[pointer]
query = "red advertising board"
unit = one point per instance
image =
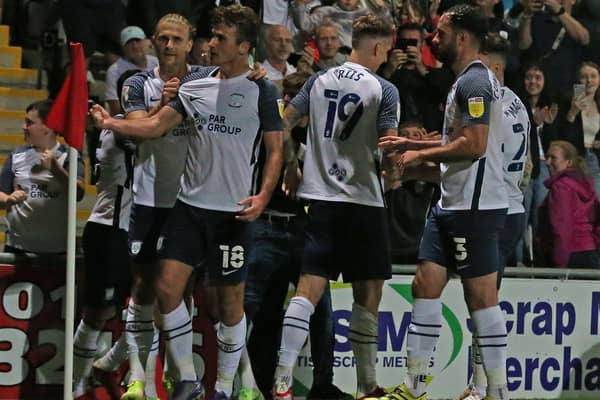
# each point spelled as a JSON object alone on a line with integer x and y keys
{"x": 32, "y": 324}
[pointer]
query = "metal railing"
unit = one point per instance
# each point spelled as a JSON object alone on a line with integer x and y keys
{"x": 397, "y": 269}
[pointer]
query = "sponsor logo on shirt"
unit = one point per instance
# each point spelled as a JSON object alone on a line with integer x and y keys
{"x": 476, "y": 107}
{"x": 337, "y": 172}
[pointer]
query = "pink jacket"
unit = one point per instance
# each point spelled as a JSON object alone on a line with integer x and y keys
{"x": 569, "y": 216}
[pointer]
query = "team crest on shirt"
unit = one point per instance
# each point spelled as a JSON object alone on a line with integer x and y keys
{"x": 235, "y": 100}
{"x": 476, "y": 107}
{"x": 280, "y": 107}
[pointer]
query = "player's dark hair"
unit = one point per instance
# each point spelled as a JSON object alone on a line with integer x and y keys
{"x": 42, "y": 107}
{"x": 495, "y": 44}
{"x": 370, "y": 26}
{"x": 469, "y": 18}
{"x": 241, "y": 17}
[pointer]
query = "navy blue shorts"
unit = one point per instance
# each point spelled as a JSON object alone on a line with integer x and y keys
{"x": 514, "y": 226}
{"x": 211, "y": 239}
{"x": 466, "y": 242}
{"x": 145, "y": 232}
{"x": 107, "y": 265}
{"x": 346, "y": 238}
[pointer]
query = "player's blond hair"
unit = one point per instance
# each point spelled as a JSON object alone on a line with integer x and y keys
{"x": 176, "y": 19}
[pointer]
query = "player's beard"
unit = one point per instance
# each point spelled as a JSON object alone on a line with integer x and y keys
{"x": 447, "y": 55}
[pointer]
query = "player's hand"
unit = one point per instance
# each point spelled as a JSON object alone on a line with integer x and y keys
{"x": 258, "y": 72}
{"x": 16, "y": 197}
{"x": 170, "y": 90}
{"x": 100, "y": 116}
{"x": 48, "y": 160}
{"x": 291, "y": 180}
{"x": 390, "y": 172}
{"x": 433, "y": 135}
{"x": 255, "y": 206}
{"x": 408, "y": 159}
{"x": 394, "y": 143}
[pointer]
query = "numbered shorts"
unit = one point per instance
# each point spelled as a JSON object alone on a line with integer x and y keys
{"x": 466, "y": 242}
{"x": 145, "y": 233}
{"x": 212, "y": 239}
{"x": 107, "y": 270}
{"x": 347, "y": 238}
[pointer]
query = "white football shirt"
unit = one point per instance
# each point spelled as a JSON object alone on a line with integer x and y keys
{"x": 349, "y": 106}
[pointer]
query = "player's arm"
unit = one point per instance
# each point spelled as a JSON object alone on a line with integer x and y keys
{"x": 273, "y": 162}
{"x": 8, "y": 196}
{"x": 145, "y": 128}
{"x": 291, "y": 118}
{"x": 469, "y": 145}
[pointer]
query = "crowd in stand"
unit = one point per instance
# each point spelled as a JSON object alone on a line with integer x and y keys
{"x": 552, "y": 64}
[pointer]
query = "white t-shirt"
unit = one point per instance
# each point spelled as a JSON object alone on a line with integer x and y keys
{"x": 349, "y": 106}
{"x": 116, "y": 70}
{"x": 229, "y": 117}
{"x": 38, "y": 224}
{"x": 516, "y": 127}
{"x": 114, "y": 174}
{"x": 474, "y": 184}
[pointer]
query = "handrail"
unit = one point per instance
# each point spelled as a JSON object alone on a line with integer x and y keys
{"x": 524, "y": 272}
{"x": 398, "y": 269}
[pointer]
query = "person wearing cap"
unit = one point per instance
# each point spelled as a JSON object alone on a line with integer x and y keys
{"x": 134, "y": 57}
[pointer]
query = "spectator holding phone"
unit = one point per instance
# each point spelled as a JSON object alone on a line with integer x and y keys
{"x": 422, "y": 89}
{"x": 582, "y": 120}
{"x": 549, "y": 31}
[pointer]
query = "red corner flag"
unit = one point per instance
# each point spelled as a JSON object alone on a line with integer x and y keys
{"x": 68, "y": 113}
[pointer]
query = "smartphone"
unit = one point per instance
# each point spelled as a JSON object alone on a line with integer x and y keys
{"x": 403, "y": 43}
{"x": 578, "y": 89}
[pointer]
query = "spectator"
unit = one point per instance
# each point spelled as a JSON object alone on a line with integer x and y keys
{"x": 422, "y": 89}
{"x": 200, "y": 54}
{"x": 542, "y": 112}
{"x": 570, "y": 216}
{"x": 492, "y": 9}
{"x": 133, "y": 45}
{"x": 582, "y": 121}
{"x": 327, "y": 41}
{"x": 279, "y": 47}
{"x": 408, "y": 203}
{"x": 548, "y": 31}
{"x": 33, "y": 188}
{"x": 589, "y": 10}
{"x": 342, "y": 13}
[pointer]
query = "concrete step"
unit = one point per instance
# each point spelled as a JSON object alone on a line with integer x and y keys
{"x": 4, "y": 35}
{"x": 18, "y": 99}
{"x": 11, "y": 120}
{"x": 10, "y": 56}
{"x": 18, "y": 77}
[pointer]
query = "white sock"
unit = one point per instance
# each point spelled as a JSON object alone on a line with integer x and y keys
{"x": 139, "y": 331}
{"x": 363, "y": 338}
{"x": 85, "y": 346}
{"x": 423, "y": 335}
{"x": 492, "y": 339}
{"x": 177, "y": 329}
{"x": 295, "y": 331}
{"x": 231, "y": 341}
{"x": 479, "y": 378}
{"x": 113, "y": 357}
{"x": 245, "y": 370}
{"x": 150, "y": 371}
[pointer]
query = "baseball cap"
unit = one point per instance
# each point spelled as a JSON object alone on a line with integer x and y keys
{"x": 131, "y": 32}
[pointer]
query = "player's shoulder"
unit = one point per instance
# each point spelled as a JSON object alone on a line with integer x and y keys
{"x": 197, "y": 72}
{"x": 139, "y": 79}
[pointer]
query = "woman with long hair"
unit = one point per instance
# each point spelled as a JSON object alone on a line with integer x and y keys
{"x": 582, "y": 120}
{"x": 569, "y": 217}
{"x": 542, "y": 111}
